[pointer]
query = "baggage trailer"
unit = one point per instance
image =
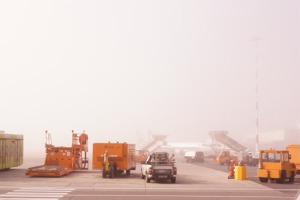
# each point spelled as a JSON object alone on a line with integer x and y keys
{"x": 11, "y": 150}
{"x": 114, "y": 158}
{"x": 63, "y": 160}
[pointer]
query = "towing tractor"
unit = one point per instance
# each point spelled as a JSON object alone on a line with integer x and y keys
{"x": 276, "y": 166}
{"x": 114, "y": 158}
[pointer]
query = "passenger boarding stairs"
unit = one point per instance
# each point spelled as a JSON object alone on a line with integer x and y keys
{"x": 222, "y": 138}
{"x": 155, "y": 142}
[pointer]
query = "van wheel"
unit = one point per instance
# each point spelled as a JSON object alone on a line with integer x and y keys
{"x": 292, "y": 178}
{"x": 282, "y": 177}
{"x": 263, "y": 180}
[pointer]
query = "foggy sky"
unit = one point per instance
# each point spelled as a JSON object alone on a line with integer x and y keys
{"x": 122, "y": 69}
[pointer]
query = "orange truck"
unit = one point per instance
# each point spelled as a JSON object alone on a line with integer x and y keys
{"x": 141, "y": 156}
{"x": 224, "y": 157}
{"x": 114, "y": 158}
{"x": 294, "y": 151}
{"x": 61, "y": 161}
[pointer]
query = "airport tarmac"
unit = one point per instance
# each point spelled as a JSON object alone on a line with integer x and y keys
{"x": 194, "y": 181}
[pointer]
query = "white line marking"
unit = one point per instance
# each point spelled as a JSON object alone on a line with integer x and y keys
{"x": 198, "y": 189}
{"x": 48, "y": 188}
{"x": 36, "y": 193}
{"x": 30, "y": 198}
{"x": 39, "y": 193}
{"x": 185, "y": 196}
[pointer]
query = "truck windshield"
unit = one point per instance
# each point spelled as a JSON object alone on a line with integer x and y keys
{"x": 270, "y": 157}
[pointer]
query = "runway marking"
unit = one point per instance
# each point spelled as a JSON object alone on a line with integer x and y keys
{"x": 186, "y": 196}
{"x": 27, "y": 198}
{"x": 36, "y": 193}
{"x": 198, "y": 189}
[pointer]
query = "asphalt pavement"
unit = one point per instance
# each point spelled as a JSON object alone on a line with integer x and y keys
{"x": 194, "y": 181}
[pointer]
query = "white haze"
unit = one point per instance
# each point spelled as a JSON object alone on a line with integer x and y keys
{"x": 122, "y": 69}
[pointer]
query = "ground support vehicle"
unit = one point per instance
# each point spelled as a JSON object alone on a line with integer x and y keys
{"x": 225, "y": 157}
{"x": 276, "y": 166}
{"x": 194, "y": 156}
{"x": 114, "y": 158}
{"x": 11, "y": 150}
{"x": 141, "y": 156}
{"x": 232, "y": 150}
{"x": 63, "y": 160}
{"x": 159, "y": 166}
{"x": 294, "y": 151}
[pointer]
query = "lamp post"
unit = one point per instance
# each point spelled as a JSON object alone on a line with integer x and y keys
{"x": 256, "y": 39}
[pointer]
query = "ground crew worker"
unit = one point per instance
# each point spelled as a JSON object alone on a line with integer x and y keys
{"x": 231, "y": 167}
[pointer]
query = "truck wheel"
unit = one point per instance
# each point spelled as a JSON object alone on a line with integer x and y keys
{"x": 292, "y": 178}
{"x": 282, "y": 177}
{"x": 127, "y": 172}
{"x": 173, "y": 180}
{"x": 147, "y": 179}
{"x": 103, "y": 172}
{"x": 111, "y": 172}
{"x": 263, "y": 180}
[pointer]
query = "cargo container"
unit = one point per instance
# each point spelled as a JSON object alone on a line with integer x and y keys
{"x": 11, "y": 150}
{"x": 114, "y": 158}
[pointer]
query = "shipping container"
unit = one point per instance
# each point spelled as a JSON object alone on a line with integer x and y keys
{"x": 11, "y": 150}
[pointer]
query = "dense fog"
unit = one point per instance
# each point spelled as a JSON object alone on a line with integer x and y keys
{"x": 123, "y": 70}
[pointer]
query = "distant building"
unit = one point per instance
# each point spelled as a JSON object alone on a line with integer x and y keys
{"x": 277, "y": 139}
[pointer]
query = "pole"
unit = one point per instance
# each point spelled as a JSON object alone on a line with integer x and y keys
{"x": 256, "y": 39}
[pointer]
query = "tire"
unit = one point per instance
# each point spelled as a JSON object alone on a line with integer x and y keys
{"x": 147, "y": 179}
{"x": 173, "y": 180}
{"x": 143, "y": 176}
{"x": 111, "y": 172}
{"x": 103, "y": 173}
{"x": 292, "y": 178}
{"x": 263, "y": 180}
{"x": 282, "y": 177}
{"x": 127, "y": 172}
